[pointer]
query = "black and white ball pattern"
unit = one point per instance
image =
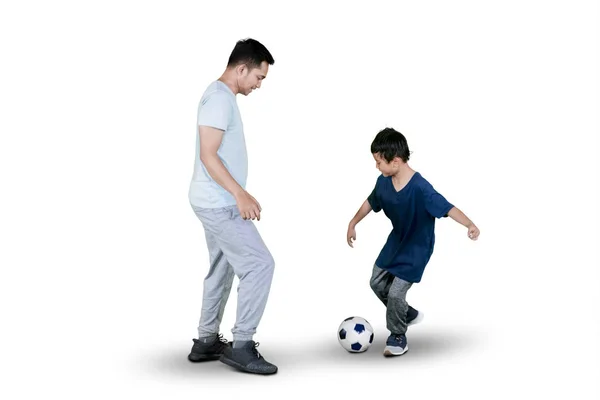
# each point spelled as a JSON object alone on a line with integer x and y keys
{"x": 355, "y": 334}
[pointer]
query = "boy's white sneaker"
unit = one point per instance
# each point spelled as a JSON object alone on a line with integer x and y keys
{"x": 416, "y": 319}
{"x": 396, "y": 345}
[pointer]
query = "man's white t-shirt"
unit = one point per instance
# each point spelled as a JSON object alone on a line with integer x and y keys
{"x": 218, "y": 109}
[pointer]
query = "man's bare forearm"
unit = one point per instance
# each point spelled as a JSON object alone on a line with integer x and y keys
{"x": 219, "y": 173}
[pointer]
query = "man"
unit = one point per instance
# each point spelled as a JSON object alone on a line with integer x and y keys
{"x": 219, "y": 199}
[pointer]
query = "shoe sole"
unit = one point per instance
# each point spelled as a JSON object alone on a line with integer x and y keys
{"x": 394, "y": 351}
{"x": 240, "y": 367}
{"x": 203, "y": 357}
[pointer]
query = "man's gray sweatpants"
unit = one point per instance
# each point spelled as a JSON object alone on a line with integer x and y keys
{"x": 391, "y": 290}
{"x": 234, "y": 247}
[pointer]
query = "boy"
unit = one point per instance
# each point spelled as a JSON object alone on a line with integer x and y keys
{"x": 412, "y": 204}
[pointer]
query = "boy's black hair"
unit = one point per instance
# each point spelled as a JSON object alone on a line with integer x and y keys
{"x": 390, "y": 143}
{"x": 250, "y": 52}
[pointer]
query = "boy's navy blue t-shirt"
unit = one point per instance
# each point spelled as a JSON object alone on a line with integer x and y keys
{"x": 412, "y": 211}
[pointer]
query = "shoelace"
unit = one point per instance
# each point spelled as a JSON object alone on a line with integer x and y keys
{"x": 256, "y": 344}
{"x": 221, "y": 338}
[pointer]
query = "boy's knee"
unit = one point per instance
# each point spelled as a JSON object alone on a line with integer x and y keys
{"x": 374, "y": 286}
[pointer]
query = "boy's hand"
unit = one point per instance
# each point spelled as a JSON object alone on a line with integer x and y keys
{"x": 473, "y": 232}
{"x": 351, "y": 235}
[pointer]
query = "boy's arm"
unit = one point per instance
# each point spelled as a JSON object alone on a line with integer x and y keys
{"x": 361, "y": 213}
{"x": 462, "y": 219}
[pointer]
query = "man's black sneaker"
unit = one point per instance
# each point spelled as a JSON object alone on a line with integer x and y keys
{"x": 208, "y": 351}
{"x": 247, "y": 359}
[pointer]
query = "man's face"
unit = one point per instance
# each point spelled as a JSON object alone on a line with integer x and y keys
{"x": 251, "y": 79}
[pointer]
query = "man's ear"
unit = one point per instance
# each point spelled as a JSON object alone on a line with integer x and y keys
{"x": 242, "y": 69}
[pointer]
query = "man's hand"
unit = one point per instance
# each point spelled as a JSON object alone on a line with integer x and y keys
{"x": 473, "y": 232}
{"x": 248, "y": 206}
{"x": 351, "y": 235}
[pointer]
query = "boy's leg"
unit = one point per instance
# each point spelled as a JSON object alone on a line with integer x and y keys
{"x": 397, "y": 306}
{"x": 380, "y": 282}
{"x": 396, "y": 318}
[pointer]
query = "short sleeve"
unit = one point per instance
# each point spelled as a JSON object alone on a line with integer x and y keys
{"x": 215, "y": 111}
{"x": 435, "y": 203}
{"x": 373, "y": 199}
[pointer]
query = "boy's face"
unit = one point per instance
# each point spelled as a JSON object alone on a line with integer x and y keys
{"x": 386, "y": 168}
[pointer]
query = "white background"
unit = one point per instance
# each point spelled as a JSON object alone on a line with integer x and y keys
{"x": 103, "y": 259}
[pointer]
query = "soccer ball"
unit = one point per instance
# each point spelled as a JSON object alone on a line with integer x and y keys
{"x": 355, "y": 334}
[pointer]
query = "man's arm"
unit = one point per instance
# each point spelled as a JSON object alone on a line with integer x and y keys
{"x": 210, "y": 140}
